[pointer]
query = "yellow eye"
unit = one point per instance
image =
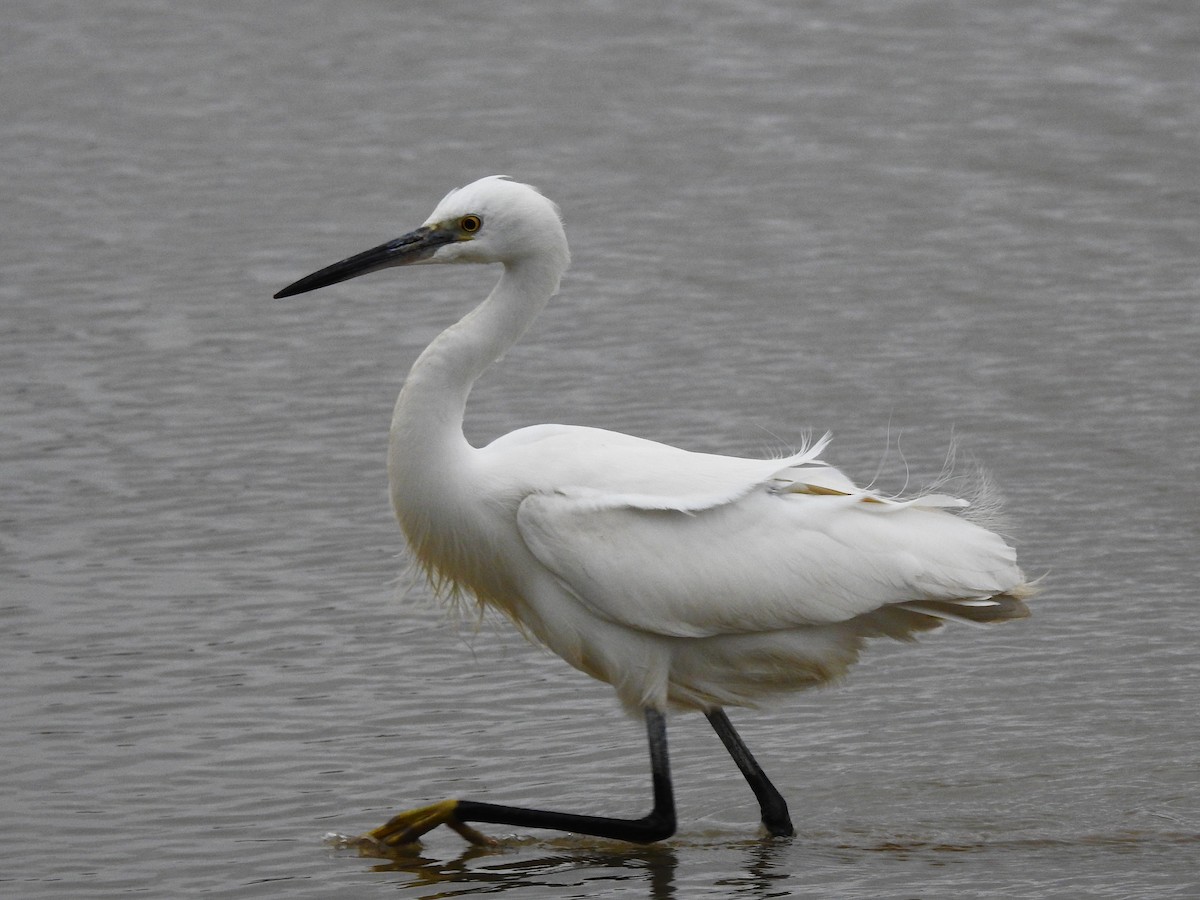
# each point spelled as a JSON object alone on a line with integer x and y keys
{"x": 470, "y": 224}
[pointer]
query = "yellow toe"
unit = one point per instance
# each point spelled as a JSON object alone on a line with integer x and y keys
{"x": 408, "y": 826}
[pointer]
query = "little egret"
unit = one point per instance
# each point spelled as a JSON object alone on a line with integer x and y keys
{"x": 687, "y": 581}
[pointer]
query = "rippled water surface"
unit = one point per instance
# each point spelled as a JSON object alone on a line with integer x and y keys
{"x": 911, "y": 223}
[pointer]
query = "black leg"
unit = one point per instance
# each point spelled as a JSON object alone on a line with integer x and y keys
{"x": 774, "y": 808}
{"x": 658, "y": 825}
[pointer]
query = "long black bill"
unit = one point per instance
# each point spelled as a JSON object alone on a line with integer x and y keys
{"x": 411, "y": 248}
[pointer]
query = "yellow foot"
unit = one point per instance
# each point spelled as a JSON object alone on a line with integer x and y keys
{"x": 407, "y": 828}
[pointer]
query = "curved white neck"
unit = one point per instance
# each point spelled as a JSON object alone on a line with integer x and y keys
{"x": 426, "y": 432}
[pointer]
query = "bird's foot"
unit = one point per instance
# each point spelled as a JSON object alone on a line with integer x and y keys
{"x": 778, "y": 827}
{"x": 407, "y": 827}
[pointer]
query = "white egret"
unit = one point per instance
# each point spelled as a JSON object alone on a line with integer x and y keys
{"x": 687, "y": 581}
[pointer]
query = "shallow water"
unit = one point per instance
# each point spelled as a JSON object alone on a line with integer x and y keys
{"x": 910, "y": 223}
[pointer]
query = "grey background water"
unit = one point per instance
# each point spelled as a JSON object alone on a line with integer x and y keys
{"x": 907, "y": 222}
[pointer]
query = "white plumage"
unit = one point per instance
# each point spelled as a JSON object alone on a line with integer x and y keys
{"x": 682, "y": 579}
{"x": 618, "y": 553}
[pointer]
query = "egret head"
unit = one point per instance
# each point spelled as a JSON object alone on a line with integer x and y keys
{"x": 492, "y": 220}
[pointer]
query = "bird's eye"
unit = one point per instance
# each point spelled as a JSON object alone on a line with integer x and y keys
{"x": 470, "y": 224}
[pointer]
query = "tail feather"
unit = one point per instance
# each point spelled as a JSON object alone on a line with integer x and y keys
{"x": 903, "y": 621}
{"x": 976, "y": 611}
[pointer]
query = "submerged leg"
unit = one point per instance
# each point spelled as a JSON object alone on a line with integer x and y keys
{"x": 774, "y": 808}
{"x": 658, "y": 825}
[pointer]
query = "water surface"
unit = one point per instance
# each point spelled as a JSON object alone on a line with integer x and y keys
{"x": 910, "y": 223}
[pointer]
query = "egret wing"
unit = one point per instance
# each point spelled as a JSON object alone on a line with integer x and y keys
{"x": 607, "y": 469}
{"x": 794, "y": 550}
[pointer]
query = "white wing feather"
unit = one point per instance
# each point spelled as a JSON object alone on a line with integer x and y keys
{"x": 609, "y": 470}
{"x": 692, "y": 545}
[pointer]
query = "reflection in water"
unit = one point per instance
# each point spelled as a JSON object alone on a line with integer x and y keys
{"x": 528, "y": 864}
{"x": 765, "y": 869}
{"x": 525, "y": 864}
{"x": 655, "y": 864}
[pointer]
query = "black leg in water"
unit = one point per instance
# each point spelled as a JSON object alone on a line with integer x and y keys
{"x": 658, "y": 825}
{"x": 774, "y": 808}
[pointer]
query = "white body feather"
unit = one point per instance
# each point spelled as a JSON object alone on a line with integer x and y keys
{"x": 680, "y": 578}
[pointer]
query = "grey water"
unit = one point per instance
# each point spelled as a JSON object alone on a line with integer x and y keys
{"x": 916, "y": 224}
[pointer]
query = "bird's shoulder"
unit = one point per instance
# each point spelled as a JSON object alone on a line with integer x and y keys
{"x": 609, "y": 468}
